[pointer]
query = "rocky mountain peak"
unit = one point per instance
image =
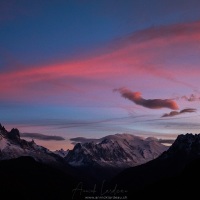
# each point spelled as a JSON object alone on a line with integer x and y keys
{"x": 14, "y": 134}
{"x": 12, "y": 146}
{"x": 2, "y": 128}
{"x": 185, "y": 146}
{"x": 120, "y": 151}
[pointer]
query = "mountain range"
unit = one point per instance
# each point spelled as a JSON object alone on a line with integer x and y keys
{"x": 99, "y": 159}
{"x": 141, "y": 166}
{"x": 115, "y": 151}
{"x": 12, "y": 146}
{"x": 174, "y": 169}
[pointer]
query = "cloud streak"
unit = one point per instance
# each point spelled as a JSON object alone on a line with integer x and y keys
{"x": 148, "y": 103}
{"x": 166, "y": 141}
{"x": 84, "y": 140}
{"x": 191, "y": 98}
{"x": 174, "y": 113}
{"x": 143, "y": 53}
{"x": 40, "y": 136}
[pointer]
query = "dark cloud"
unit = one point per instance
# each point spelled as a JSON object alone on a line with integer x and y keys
{"x": 168, "y": 141}
{"x": 40, "y": 136}
{"x": 83, "y": 140}
{"x": 174, "y": 113}
{"x": 148, "y": 103}
{"x": 190, "y": 98}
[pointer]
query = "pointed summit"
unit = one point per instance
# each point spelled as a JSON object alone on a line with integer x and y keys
{"x": 2, "y": 128}
{"x": 14, "y": 134}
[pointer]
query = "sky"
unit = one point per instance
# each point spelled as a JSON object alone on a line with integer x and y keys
{"x": 91, "y": 68}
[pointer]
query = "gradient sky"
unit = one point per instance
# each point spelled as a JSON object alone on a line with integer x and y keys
{"x": 88, "y": 68}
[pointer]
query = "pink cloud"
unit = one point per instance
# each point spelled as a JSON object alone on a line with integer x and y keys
{"x": 148, "y": 103}
{"x": 144, "y": 54}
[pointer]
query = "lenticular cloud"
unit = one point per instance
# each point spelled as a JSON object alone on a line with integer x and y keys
{"x": 136, "y": 97}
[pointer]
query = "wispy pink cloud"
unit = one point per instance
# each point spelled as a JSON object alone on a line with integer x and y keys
{"x": 143, "y": 54}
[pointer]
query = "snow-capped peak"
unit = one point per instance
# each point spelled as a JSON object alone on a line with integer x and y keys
{"x": 12, "y": 146}
{"x": 119, "y": 150}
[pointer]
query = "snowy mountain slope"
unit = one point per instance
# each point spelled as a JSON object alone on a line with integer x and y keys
{"x": 119, "y": 151}
{"x": 12, "y": 146}
{"x": 62, "y": 152}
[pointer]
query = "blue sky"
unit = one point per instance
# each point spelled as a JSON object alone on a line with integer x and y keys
{"x": 60, "y": 61}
